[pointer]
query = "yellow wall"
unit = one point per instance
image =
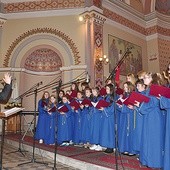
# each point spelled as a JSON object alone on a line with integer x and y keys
{"x": 69, "y": 25}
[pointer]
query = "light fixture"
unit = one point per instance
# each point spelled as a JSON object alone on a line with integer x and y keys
{"x": 100, "y": 61}
{"x": 81, "y": 18}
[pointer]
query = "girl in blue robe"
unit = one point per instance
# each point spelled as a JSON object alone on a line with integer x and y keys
{"x": 126, "y": 124}
{"x": 42, "y": 117}
{"x": 107, "y": 134}
{"x": 151, "y": 152}
{"x": 51, "y": 122}
{"x": 96, "y": 122}
{"x": 165, "y": 104}
{"x": 64, "y": 123}
{"x": 77, "y": 114}
{"x": 86, "y": 119}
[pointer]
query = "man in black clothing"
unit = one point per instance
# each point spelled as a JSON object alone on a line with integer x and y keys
{"x": 7, "y": 90}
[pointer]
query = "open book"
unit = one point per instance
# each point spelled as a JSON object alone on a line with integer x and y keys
{"x": 9, "y": 112}
{"x": 100, "y": 103}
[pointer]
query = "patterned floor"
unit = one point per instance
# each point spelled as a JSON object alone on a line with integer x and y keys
{"x": 12, "y": 158}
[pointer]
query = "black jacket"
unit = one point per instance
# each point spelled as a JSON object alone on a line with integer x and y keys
{"x": 6, "y": 93}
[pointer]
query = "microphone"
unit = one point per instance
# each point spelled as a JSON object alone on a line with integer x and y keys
{"x": 87, "y": 78}
{"x": 130, "y": 47}
{"x": 40, "y": 83}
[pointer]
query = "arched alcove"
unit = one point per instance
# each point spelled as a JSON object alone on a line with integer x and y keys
{"x": 43, "y": 60}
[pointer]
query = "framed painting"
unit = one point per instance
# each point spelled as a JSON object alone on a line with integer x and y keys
{"x": 116, "y": 50}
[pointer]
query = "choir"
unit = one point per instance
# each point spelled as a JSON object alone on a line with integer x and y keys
{"x": 111, "y": 117}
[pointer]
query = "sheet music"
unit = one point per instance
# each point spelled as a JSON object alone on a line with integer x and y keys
{"x": 10, "y": 112}
{"x": 94, "y": 103}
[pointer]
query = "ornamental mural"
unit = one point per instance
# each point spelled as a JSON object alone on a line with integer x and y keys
{"x": 43, "y": 60}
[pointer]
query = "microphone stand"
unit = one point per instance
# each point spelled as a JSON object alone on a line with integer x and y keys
{"x": 55, "y": 149}
{"x": 33, "y": 160}
{"x": 20, "y": 114}
{"x": 112, "y": 77}
{"x": 57, "y": 92}
{"x": 43, "y": 88}
{"x": 112, "y": 74}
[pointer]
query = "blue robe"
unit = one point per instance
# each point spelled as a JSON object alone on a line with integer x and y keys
{"x": 50, "y": 130}
{"x": 151, "y": 152}
{"x": 64, "y": 126}
{"x": 77, "y": 126}
{"x": 85, "y": 128}
{"x": 165, "y": 104}
{"x": 126, "y": 131}
{"x": 107, "y": 134}
{"x": 138, "y": 129}
{"x": 95, "y": 125}
{"x": 42, "y": 117}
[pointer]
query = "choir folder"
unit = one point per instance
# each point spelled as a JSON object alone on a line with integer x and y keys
{"x": 135, "y": 96}
{"x": 86, "y": 102}
{"x": 63, "y": 108}
{"x": 155, "y": 90}
{"x": 75, "y": 104}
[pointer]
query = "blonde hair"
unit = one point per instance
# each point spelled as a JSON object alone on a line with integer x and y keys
{"x": 141, "y": 74}
{"x": 132, "y": 77}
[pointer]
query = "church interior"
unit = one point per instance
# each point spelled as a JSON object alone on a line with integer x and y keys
{"x": 48, "y": 44}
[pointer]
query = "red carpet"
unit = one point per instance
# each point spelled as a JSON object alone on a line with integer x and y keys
{"x": 86, "y": 155}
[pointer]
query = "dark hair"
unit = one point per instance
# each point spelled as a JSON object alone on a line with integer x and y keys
{"x": 139, "y": 81}
{"x": 43, "y": 97}
{"x": 76, "y": 86}
{"x": 85, "y": 84}
{"x": 111, "y": 88}
{"x": 131, "y": 87}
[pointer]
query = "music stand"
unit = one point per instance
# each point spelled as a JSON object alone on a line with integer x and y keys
{"x": 4, "y": 116}
{"x": 19, "y": 147}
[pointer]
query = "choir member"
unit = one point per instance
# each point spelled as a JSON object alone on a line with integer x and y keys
{"x": 165, "y": 104}
{"x": 96, "y": 121}
{"x": 60, "y": 96}
{"x": 140, "y": 86}
{"x": 84, "y": 85}
{"x": 74, "y": 89}
{"x": 107, "y": 134}
{"x": 86, "y": 117}
{"x": 42, "y": 117}
{"x": 126, "y": 123}
{"x": 77, "y": 115}
{"x": 50, "y": 128}
{"x": 64, "y": 122}
{"x": 151, "y": 151}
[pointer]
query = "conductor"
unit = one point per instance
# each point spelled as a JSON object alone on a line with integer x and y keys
{"x": 7, "y": 89}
